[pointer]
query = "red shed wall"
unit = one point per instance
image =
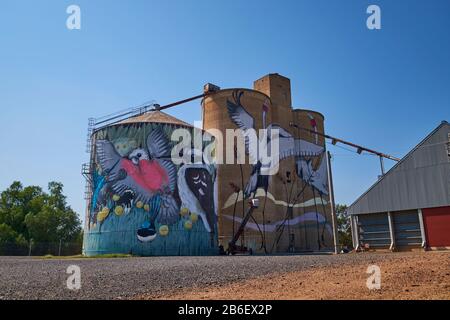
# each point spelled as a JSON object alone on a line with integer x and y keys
{"x": 437, "y": 226}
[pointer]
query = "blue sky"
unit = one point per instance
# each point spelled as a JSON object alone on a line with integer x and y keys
{"x": 385, "y": 89}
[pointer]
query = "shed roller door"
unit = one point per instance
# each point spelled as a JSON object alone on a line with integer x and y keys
{"x": 374, "y": 230}
{"x": 407, "y": 229}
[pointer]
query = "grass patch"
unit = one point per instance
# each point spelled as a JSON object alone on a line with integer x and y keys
{"x": 80, "y": 256}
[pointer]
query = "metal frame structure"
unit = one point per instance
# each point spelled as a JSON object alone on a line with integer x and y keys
{"x": 359, "y": 149}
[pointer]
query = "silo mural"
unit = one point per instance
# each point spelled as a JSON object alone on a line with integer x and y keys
{"x": 141, "y": 202}
{"x": 294, "y": 214}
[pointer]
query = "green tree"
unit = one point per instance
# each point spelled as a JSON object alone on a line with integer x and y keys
{"x": 7, "y": 234}
{"x": 53, "y": 224}
{"x": 344, "y": 228}
{"x": 16, "y": 202}
{"x": 55, "y": 221}
{"x": 30, "y": 213}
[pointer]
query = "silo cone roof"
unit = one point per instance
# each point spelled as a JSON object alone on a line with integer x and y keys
{"x": 155, "y": 117}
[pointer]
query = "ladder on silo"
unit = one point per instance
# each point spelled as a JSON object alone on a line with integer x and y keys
{"x": 86, "y": 172}
{"x": 90, "y": 131}
{"x": 86, "y": 167}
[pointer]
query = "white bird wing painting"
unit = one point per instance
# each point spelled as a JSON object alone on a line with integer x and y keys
{"x": 245, "y": 122}
{"x": 288, "y": 145}
{"x": 318, "y": 179}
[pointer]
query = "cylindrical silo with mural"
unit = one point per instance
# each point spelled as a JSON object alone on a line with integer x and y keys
{"x": 294, "y": 213}
{"x": 311, "y": 171}
{"x": 141, "y": 202}
{"x": 233, "y": 178}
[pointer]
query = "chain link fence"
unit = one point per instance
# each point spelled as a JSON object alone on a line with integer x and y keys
{"x": 40, "y": 249}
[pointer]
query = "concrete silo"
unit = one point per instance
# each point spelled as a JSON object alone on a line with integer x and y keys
{"x": 294, "y": 213}
{"x": 141, "y": 202}
{"x": 316, "y": 233}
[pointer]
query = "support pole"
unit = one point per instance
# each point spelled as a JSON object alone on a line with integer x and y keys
{"x": 332, "y": 204}
{"x": 352, "y": 231}
{"x": 382, "y": 166}
{"x": 391, "y": 231}
{"x": 355, "y": 232}
{"x": 422, "y": 229}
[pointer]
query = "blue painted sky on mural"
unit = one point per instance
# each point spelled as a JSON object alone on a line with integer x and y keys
{"x": 384, "y": 89}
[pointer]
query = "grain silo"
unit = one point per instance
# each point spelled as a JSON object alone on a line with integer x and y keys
{"x": 140, "y": 202}
{"x": 294, "y": 213}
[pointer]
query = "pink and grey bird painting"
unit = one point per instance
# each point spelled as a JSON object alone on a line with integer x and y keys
{"x": 146, "y": 171}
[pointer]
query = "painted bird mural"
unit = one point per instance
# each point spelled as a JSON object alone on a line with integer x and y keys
{"x": 147, "y": 172}
{"x": 196, "y": 189}
{"x": 318, "y": 179}
{"x": 288, "y": 145}
{"x": 313, "y": 123}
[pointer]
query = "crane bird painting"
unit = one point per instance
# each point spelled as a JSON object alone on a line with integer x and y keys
{"x": 288, "y": 144}
{"x": 318, "y": 179}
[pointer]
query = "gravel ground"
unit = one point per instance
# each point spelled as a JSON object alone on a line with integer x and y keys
{"x": 419, "y": 276}
{"x": 126, "y": 278}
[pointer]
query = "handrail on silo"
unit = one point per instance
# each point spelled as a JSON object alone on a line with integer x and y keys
{"x": 129, "y": 113}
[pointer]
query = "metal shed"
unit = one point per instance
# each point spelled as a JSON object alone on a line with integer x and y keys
{"x": 410, "y": 205}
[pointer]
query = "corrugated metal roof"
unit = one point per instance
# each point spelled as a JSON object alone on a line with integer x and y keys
{"x": 156, "y": 117}
{"x": 420, "y": 180}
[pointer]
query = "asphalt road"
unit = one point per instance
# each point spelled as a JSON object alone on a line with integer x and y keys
{"x": 125, "y": 278}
